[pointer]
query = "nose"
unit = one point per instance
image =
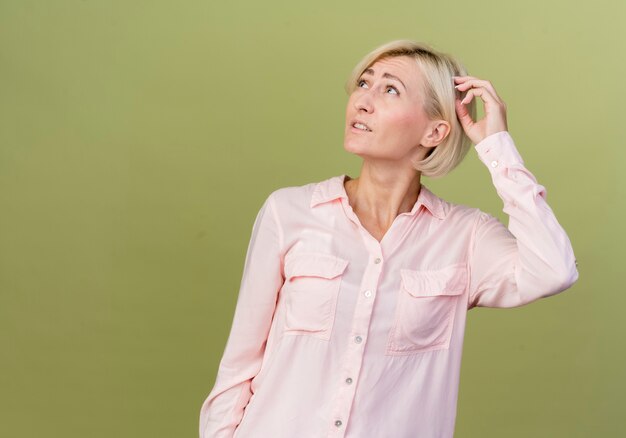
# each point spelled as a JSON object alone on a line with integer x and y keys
{"x": 363, "y": 101}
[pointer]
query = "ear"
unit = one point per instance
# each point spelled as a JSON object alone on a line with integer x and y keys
{"x": 436, "y": 132}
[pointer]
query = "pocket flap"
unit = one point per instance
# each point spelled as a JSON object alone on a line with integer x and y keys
{"x": 450, "y": 280}
{"x": 314, "y": 264}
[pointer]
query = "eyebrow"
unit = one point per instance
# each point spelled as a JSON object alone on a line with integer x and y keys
{"x": 385, "y": 75}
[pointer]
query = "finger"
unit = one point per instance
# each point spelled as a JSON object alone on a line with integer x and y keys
{"x": 474, "y": 82}
{"x": 488, "y": 98}
{"x": 462, "y": 79}
{"x": 464, "y": 116}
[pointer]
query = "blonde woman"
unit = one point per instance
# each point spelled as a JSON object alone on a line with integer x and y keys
{"x": 352, "y": 307}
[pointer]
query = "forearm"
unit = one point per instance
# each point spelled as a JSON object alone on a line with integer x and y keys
{"x": 245, "y": 348}
{"x": 535, "y": 251}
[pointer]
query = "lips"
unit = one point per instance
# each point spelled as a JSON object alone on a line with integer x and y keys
{"x": 360, "y": 125}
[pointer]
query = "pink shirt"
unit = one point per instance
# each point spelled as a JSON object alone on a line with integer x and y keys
{"x": 338, "y": 335}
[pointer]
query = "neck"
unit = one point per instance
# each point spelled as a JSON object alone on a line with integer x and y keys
{"x": 382, "y": 199}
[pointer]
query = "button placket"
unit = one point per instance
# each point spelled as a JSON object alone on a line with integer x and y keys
{"x": 353, "y": 358}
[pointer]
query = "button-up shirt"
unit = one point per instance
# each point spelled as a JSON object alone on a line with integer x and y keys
{"x": 337, "y": 334}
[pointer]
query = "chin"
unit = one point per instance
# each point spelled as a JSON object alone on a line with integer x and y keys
{"x": 350, "y": 146}
{"x": 353, "y": 148}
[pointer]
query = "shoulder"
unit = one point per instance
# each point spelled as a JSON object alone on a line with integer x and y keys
{"x": 291, "y": 197}
{"x": 293, "y": 193}
{"x": 461, "y": 214}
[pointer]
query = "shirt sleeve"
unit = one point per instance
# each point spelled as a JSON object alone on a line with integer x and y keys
{"x": 532, "y": 258}
{"x": 262, "y": 279}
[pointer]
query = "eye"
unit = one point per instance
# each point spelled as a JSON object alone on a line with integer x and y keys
{"x": 393, "y": 88}
{"x": 358, "y": 82}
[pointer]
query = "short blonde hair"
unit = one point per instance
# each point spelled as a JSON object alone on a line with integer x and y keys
{"x": 438, "y": 69}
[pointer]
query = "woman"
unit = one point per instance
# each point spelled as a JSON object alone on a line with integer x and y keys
{"x": 351, "y": 312}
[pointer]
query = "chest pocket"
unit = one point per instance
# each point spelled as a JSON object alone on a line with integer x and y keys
{"x": 427, "y": 303}
{"x": 311, "y": 288}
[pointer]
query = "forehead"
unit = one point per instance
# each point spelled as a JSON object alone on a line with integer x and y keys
{"x": 402, "y": 66}
{"x": 405, "y": 68}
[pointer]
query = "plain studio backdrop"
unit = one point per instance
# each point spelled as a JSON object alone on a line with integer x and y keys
{"x": 138, "y": 140}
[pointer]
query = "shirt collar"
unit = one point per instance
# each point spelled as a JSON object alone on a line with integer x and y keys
{"x": 333, "y": 188}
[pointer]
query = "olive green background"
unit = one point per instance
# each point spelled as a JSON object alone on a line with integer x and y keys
{"x": 138, "y": 140}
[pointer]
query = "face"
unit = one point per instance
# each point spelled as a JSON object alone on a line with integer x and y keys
{"x": 388, "y": 100}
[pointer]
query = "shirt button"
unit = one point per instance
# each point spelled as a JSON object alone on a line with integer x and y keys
{"x": 368, "y": 293}
{"x": 338, "y": 423}
{"x": 358, "y": 339}
{"x": 377, "y": 260}
{"x": 494, "y": 163}
{"x": 349, "y": 380}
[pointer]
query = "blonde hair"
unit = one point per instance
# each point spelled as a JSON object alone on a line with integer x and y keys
{"x": 438, "y": 69}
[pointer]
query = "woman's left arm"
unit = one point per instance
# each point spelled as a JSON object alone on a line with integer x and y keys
{"x": 532, "y": 258}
